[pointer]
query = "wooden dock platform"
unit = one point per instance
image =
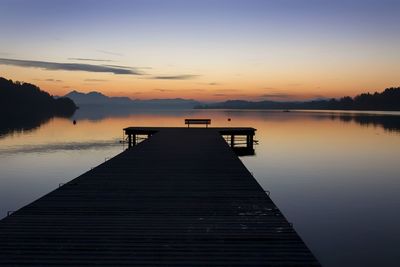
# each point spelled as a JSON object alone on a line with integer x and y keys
{"x": 179, "y": 198}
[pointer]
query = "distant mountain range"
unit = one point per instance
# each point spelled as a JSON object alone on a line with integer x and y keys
{"x": 99, "y": 99}
{"x": 389, "y": 99}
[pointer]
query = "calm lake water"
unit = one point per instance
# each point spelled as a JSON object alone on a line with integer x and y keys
{"x": 334, "y": 175}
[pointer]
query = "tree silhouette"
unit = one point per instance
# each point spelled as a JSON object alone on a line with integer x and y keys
{"x": 25, "y": 99}
{"x": 24, "y": 107}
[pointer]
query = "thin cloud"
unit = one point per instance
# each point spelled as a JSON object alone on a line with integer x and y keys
{"x": 67, "y": 66}
{"x": 175, "y": 77}
{"x": 163, "y": 90}
{"x": 212, "y": 83}
{"x": 128, "y": 68}
{"x": 119, "y": 66}
{"x": 90, "y": 59}
{"x": 53, "y": 80}
{"x": 227, "y": 90}
{"x": 48, "y": 80}
{"x": 95, "y": 80}
{"x": 138, "y": 93}
{"x": 110, "y": 53}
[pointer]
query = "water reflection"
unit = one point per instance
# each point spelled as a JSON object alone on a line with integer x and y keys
{"x": 387, "y": 122}
{"x": 11, "y": 125}
{"x": 96, "y": 113}
{"x": 53, "y": 147}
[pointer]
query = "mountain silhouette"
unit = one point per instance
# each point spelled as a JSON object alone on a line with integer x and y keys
{"x": 96, "y": 98}
{"x": 99, "y": 99}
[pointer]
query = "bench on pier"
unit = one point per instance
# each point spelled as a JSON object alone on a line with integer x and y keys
{"x": 198, "y": 121}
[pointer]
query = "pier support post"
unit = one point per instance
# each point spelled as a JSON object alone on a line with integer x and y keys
{"x": 129, "y": 140}
{"x": 249, "y": 140}
{"x": 134, "y": 140}
{"x": 232, "y": 140}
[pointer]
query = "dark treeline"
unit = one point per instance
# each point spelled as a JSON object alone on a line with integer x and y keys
{"x": 387, "y": 100}
{"x": 24, "y": 107}
{"x": 27, "y": 99}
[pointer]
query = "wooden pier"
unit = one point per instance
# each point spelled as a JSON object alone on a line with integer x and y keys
{"x": 137, "y": 134}
{"x": 180, "y": 198}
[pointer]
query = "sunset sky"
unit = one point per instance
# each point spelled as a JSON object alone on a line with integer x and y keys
{"x": 210, "y": 50}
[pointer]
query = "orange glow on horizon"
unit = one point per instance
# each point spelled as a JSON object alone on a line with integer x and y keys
{"x": 253, "y": 87}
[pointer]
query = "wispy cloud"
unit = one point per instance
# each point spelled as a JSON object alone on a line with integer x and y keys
{"x": 175, "y": 77}
{"x": 53, "y": 80}
{"x": 227, "y": 90}
{"x": 163, "y": 90}
{"x": 68, "y": 66}
{"x": 129, "y": 68}
{"x": 122, "y": 67}
{"x": 48, "y": 80}
{"x": 95, "y": 80}
{"x": 90, "y": 59}
{"x": 211, "y": 84}
{"x": 110, "y": 53}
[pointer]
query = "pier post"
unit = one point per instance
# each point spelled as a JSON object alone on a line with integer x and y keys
{"x": 249, "y": 140}
{"x": 232, "y": 140}
{"x": 129, "y": 140}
